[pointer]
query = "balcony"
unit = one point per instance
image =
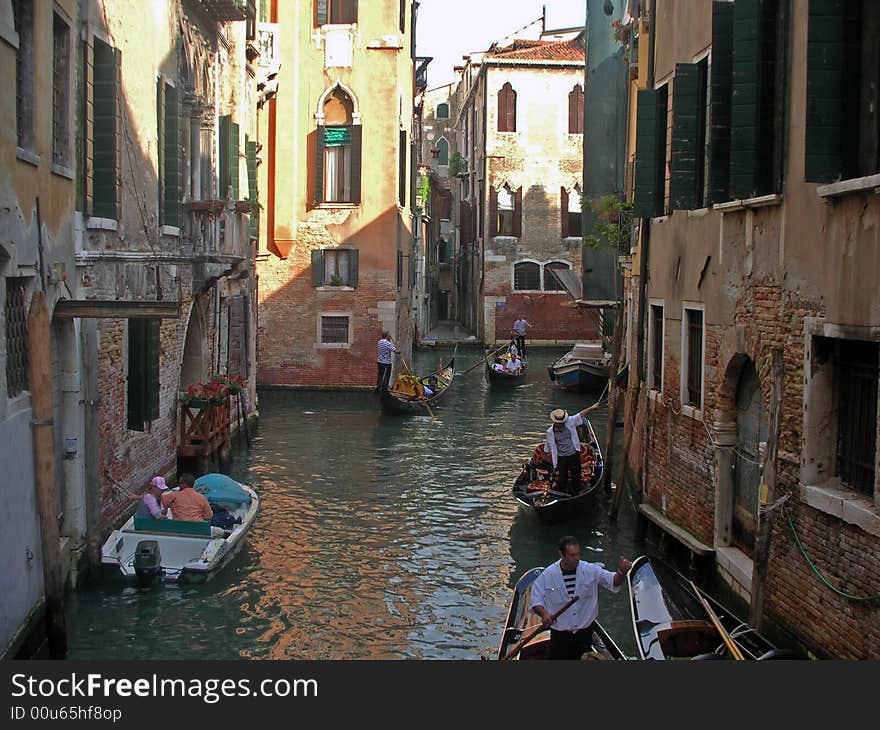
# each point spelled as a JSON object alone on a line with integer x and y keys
{"x": 422, "y": 72}
{"x": 223, "y": 10}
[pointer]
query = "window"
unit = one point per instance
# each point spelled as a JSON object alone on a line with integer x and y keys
{"x": 143, "y": 372}
{"x": 570, "y": 208}
{"x": 857, "y": 370}
{"x": 551, "y": 283}
{"x": 60, "y": 92}
{"x": 330, "y": 12}
{"x": 105, "y": 143}
{"x": 335, "y": 267}
{"x": 527, "y": 276}
{"x": 338, "y": 154}
{"x": 403, "y": 16}
{"x": 655, "y": 375}
{"x": 576, "y": 110}
{"x": 443, "y": 151}
{"x": 17, "y": 379}
{"x": 170, "y": 153}
{"x": 504, "y": 225}
{"x": 442, "y": 111}
{"x": 507, "y": 109}
{"x": 334, "y": 329}
{"x": 23, "y": 16}
{"x": 692, "y": 392}
{"x": 401, "y": 168}
{"x": 687, "y": 157}
{"x": 843, "y": 91}
{"x": 444, "y": 251}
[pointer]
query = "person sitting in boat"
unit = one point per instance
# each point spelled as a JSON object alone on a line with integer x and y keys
{"x": 499, "y": 365}
{"x": 187, "y": 504}
{"x": 513, "y": 349}
{"x": 564, "y": 446}
{"x": 514, "y": 365}
{"x": 571, "y": 633}
{"x": 148, "y": 503}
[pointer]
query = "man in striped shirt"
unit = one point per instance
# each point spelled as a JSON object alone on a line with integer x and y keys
{"x": 571, "y": 634}
{"x": 385, "y": 348}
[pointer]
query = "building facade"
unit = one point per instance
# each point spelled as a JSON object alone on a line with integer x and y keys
{"x": 338, "y": 264}
{"x": 756, "y": 163}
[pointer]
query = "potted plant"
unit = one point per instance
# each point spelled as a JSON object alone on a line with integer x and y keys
{"x": 335, "y": 280}
{"x": 203, "y": 395}
{"x": 233, "y": 383}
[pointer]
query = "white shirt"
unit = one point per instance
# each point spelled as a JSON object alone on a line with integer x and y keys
{"x": 571, "y": 423}
{"x": 548, "y": 591}
{"x": 514, "y": 364}
{"x": 520, "y": 327}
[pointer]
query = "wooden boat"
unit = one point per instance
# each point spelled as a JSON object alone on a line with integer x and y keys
{"x": 585, "y": 367}
{"x": 520, "y": 620}
{"x": 397, "y": 401}
{"x": 505, "y": 377}
{"x": 188, "y": 551}
{"x": 670, "y": 622}
{"x": 533, "y": 490}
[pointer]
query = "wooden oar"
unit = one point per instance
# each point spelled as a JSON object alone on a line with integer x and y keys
{"x": 424, "y": 402}
{"x": 515, "y": 649}
{"x": 731, "y": 645}
{"x": 480, "y": 362}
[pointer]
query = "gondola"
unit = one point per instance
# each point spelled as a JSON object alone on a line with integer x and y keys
{"x": 401, "y": 401}
{"x": 520, "y": 620}
{"x": 505, "y": 377}
{"x": 533, "y": 490}
{"x": 670, "y": 622}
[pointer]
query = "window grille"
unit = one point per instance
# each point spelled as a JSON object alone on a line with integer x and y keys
{"x": 527, "y": 276}
{"x": 16, "y": 337}
{"x": 857, "y": 373}
{"x": 334, "y": 329}
{"x": 657, "y": 347}
{"x": 695, "y": 357}
{"x": 551, "y": 283}
{"x": 23, "y": 15}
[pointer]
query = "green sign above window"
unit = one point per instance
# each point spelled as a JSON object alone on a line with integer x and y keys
{"x": 336, "y": 136}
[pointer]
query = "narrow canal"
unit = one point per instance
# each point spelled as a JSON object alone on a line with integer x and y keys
{"x": 379, "y": 537}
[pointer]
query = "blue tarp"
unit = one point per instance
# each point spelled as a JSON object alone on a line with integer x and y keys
{"x": 221, "y": 488}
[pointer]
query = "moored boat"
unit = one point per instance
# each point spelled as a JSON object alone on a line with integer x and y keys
{"x": 521, "y": 620}
{"x": 533, "y": 488}
{"x": 407, "y": 396}
{"x": 670, "y": 621}
{"x": 188, "y": 551}
{"x": 585, "y": 367}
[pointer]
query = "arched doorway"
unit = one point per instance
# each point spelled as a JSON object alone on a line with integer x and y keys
{"x": 752, "y": 430}
{"x": 192, "y": 368}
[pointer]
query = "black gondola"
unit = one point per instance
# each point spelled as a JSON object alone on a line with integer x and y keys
{"x": 670, "y": 622}
{"x": 400, "y": 403}
{"x": 533, "y": 490}
{"x": 520, "y": 620}
{"x": 505, "y": 377}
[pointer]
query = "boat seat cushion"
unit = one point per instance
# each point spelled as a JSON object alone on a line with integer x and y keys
{"x": 197, "y": 528}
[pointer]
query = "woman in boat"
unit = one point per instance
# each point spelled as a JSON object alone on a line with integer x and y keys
{"x": 564, "y": 446}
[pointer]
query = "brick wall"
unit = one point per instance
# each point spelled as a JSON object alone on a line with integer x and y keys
{"x": 551, "y": 316}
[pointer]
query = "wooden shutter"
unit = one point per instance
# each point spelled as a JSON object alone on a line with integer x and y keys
{"x": 517, "y": 213}
{"x": 576, "y": 111}
{"x": 401, "y": 171}
{"x": 722, "y": 90}
{"x": 160, "y": 146}
{"x": 832, "y": 90}
{"x": 353, "y": 267}
{"x": 152, "y": 349}
{"x": 136, "y": 375}
{"x": 233, "y": 159}
{"x": 104, "y": 155}
{"x": 685, "y": 158}
{"x": 563, "y": 211}
{"x": 493, "y": 211}
{"x": 223, "y": 181}
{"x": 650, "y": 153}
{"x": 356, "y": 153}
{"x": 254, "y": 222}
{"x": 317, "y": 267}
{"x": 321, "y": 12}
{"x": 319, "y": 164}
{"x": 172, "y": 154}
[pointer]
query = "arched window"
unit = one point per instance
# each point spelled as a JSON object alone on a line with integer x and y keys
{"x": 442, "y": 111}
{"x": 576, "y": 110}
{"x": 506, "y": 205}
{"x": 507, "y": 109}
{"x": 443, "y": 151}
{"x": 527, "y": 276}
{"x": 551, "y": 283}
{"x": 338, "y": 159}
{"x": 574, "y": 211}
{"x": 336, "y": 11}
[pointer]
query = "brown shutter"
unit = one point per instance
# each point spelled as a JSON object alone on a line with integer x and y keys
{"x": 517, "y": 213}
{"x": 319, "y": 163}
{"x": 563, "y": 210}
{"x": 493, "y": 211}
{"x": 511, "y": 110}
{"x": 572, "y": 112}
{"x": 356, "y": 145}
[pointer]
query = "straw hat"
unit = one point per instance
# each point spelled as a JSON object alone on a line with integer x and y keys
{"x": 558, "y": 415}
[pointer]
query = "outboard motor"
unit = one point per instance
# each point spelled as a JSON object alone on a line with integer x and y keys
{"x": 147, "y": 561}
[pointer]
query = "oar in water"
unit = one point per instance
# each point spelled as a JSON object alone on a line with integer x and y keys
{"x": 731, "y": 645}
{"x": 515, "y": 649}
{"x": 424, "y": 402}
{"x": 486, "y": 358}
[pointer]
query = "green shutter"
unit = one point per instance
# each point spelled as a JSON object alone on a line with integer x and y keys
{"x": 686, "y": 159}
{"x": 722, "y": 89}
{"x": 353, "y": 268}
{"x": 832, "y": 90}
{"x": 319, "y": 164}
{"x": 223, "y": 177}
{"x": 650, "y": 153}
{"x": 151, "y": 368}
{"x": 321, "y": 12}
{"x": 317, "y": 267}
{"x": 254, "y": 222}
{"x": 136, "y": 375}
{"x": 233, "y": 159}
{"x": 172, "y": 155}
{"x": 104, "y": 202}
{"x": 160, "y": 147}
{"x": 356, "y": 144}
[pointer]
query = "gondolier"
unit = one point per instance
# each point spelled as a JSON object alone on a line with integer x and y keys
{"x": 385, "y": 348}
{"x": 564, "y": 447}
{"x": 519, "y": 333}
{"x": 571, "y": 634}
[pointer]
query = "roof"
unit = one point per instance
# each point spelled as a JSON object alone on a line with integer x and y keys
{"x": 531, "y": 50}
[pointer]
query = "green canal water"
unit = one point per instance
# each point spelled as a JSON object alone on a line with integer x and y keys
{"x": 379, "y": 537}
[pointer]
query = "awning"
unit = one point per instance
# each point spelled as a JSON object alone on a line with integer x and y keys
{"x": 570, "y": 280}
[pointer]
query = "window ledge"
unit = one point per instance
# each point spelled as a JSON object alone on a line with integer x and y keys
{"x": 655, "y": 395}
{"x": 32, "y": 158}
{"x": 169, "y": 230}
{"x": 62, "y": 171}
{"x": 104, "y": 224}
{"x": 331, "y": 206}
{"x": 761, "y": 201}
{"x": 844, "y": 504}
{"x": 331, "y": 287}
{"x": 870, "y": 183}
{"x": 692, "y": 412}
{"x": 333, "y": 345}
{"x": 698, "y": 213}
{"x": 504, "y": 238}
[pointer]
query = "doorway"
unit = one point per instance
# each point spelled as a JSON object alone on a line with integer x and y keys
{"x": 752, "y": 430}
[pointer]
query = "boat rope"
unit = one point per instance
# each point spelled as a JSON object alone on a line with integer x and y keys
{"x": 875, "y": 597}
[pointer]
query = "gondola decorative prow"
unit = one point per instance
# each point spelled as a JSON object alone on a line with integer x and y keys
{"x": 515, "y": 649}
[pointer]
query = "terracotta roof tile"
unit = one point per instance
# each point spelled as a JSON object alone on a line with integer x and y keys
{"x": 528, "y": 50}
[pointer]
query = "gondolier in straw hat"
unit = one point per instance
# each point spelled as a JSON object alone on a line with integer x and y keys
{"x": 564, "y": 447}
{"x": 571, "y": 634}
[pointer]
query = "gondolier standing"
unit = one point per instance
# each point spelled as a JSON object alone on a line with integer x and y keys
{"x": 519, "y": 333}
{"x": 564, "y": 447}
{"x": 572, "y": 633}
{"x": 385, "y": 348}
